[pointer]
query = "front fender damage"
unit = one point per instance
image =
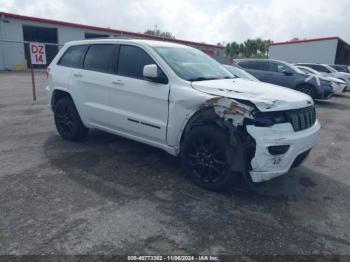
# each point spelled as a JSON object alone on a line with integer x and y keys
{"x": 230, "y": 110}
{"x": 233, "y": 113}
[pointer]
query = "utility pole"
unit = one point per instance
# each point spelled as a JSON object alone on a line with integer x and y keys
{"x": 156, "y": 30}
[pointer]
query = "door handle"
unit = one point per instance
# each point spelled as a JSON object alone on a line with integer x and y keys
{"x": 118, "y": 83}
{"x": 78, "y": 75}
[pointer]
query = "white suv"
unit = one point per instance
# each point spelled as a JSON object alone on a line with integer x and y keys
{"x": 177, "y": 98}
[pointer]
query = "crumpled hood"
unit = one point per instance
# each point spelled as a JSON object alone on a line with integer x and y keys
{"x": 333, "y": 79}
{"x": 342, "y": 75}
{"x": 266, "y": 97}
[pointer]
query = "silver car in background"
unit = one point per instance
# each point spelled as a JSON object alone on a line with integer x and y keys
{"x": 327, "y": 70}
{"x": 339, "y": 86}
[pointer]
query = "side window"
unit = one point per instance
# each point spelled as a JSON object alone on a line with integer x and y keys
{"x": 73, "y": 57}
{"x": 259, "y": 65}
{"x": 132, "y": 59}
{"x": 278, "y": 67}
{"x": 99, "y": 58}
{"x": 320, "y": 68}
{"x": 244, "y": 64}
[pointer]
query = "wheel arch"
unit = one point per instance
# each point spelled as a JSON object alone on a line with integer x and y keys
{"x": 306, "y": 84}
{"x": 203, "y": 116}
{"x": 58, "y": 94}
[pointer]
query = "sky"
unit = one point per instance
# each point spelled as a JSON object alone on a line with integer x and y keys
{"x": 210, "y": 21}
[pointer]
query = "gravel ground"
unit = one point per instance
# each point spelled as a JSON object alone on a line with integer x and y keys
{"x": 108, "y": 195}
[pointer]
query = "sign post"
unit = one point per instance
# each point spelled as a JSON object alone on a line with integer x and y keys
{"x": 37, "y": 57}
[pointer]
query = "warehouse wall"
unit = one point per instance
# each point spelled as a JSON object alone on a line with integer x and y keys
{"x": 66, "y": 34}
{"x": 308, "y": 52}
{"x": 12, "y": 57}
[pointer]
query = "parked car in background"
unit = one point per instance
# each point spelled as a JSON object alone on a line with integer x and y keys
{"x": 327, "y": 70}
{"x": 178, "y": 99}
{"x": 341, "y": 68}
{"x": 287, "y": 75}
{"x": 339, "y": 86}
{"x": 240, "y": 73}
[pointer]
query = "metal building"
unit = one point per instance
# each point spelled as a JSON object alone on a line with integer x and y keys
{"x": 17, "y": 30}
{"x": 329, "y": 50}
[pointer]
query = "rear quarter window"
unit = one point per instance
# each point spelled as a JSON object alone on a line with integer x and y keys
{"x": 259, "y": 65}
{"x": 73, "y": 57}
{"x": 319, "y": 68}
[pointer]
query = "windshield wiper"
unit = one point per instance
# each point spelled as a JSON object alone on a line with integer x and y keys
{"x": 202, "y": 78}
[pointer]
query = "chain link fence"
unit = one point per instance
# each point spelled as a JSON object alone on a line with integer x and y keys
{"x": 15, "y": 55}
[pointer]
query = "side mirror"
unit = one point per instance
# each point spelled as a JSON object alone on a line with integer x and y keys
{"x": 287, "y": 72}
{"x": 154, "y": 74}
{"x": 150, "y": 72}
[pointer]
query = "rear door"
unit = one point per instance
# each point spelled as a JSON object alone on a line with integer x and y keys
{"x": 93, "y": 83}
{"x": 138, "y": 107}
{"x": 62, "y": 75}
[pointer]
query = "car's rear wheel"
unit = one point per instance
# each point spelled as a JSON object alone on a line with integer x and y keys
{"x": 210, "y": 160}
{"x": 306, "y": 90}
{"x": 67, "y": 120}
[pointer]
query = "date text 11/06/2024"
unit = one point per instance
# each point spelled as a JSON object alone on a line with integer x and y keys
{"x": 173, "y": 258}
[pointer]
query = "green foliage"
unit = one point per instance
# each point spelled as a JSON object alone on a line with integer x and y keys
{"x": 252, "y": 48}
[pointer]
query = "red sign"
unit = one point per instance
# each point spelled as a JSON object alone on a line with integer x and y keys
{"x": 37, "y": 53}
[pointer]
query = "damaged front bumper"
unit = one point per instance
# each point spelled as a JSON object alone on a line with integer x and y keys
{"x": 268, "y": 162}
{"x": 338, "y": 89}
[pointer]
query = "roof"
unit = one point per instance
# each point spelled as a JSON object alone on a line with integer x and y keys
{"x": 152, "y": 43}
{"x": 309, "y": 40}
{"x": 259, "y": 59}
{"x": 116, "y": 31}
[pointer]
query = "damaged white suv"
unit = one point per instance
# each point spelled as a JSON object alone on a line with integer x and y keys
{"x": 177, "y": 98}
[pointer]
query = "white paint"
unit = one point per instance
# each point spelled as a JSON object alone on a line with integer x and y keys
{"x": 305, "y": 52}
{"x": 104, "y": 105}
{"x": 37, "y": 53}
{"x": 266, "y": 166}
{"x": 12, "y": 54}
{"x": 265, "y": 96}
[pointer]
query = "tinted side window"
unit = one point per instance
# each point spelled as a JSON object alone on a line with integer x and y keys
{"x": 244, "y": 64}
{"x": 99, "y": 58}
{"x": 259, "y": 65}
{"x": 73, "y": 57}
{"x": 132, "y": 59}
{"x": 278, "y": 67}
{"x": 319, "y": 68}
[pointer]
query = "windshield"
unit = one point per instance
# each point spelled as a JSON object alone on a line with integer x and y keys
{"x": 296, "y": 69}
{"x": 331, "y": 69}
{"x": 310, "y": 71}
{"x": 240, "y": 73}
{"x": 192, "y": 64}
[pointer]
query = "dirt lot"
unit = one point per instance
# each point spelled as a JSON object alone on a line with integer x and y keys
{"x": 109, "y": 195}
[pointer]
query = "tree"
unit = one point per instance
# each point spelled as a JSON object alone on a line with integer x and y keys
{"x": 232, "y": 49}
{"x": 251, "y": 48}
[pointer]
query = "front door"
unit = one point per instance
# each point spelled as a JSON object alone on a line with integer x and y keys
{"x": 138, "y": 107}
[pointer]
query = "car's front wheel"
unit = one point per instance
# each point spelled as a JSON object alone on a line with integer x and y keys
{"x": 210, "y": 160}
{"x": 306, "y": 90}
{"x": 67, "y": 120}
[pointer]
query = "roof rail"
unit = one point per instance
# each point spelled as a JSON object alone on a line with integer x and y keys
{"x": 120, "y": 37}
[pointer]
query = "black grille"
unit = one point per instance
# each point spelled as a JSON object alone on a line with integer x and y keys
{"x": 302, "y": 118}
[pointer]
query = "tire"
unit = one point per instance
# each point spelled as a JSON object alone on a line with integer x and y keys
{"x": 67, "y": 120}
{"x": 209, "y": 159}
{"x": 306, "y": 90}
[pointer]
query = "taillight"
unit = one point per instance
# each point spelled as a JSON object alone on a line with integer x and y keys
{"x": 47, "y": 73}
